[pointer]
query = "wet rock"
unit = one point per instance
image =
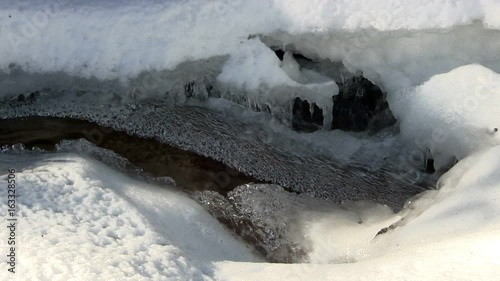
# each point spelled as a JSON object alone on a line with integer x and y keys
{"x": 33, "y": 96}
{"x": 21, "y": 98}
{"x": 360, "y": 106}
{"x": 189, "y": 89}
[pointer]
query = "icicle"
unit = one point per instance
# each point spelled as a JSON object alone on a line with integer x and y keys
{"x": 327, "y": 116}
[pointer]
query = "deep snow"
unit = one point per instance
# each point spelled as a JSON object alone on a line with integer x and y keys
{"x": 437, "y": 60}
{"x": 396, "y": 44}
{"x": 80, "y": 220}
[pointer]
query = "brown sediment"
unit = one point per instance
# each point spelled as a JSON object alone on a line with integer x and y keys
{"x": 190, "y": 171}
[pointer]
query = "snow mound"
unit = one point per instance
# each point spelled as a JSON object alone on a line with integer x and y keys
{"x": 453, "y": 114}
{"x": 450, "y": 234}
{"x": 80, "y": 220}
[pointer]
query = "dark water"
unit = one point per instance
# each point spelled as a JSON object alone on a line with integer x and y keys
{"x": 190, "y": 171}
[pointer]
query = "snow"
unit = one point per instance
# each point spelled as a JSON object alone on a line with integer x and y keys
{"x": 263, "y": 79}
{"x": 465, "y": 258}
{"x": 120, "y": 45}
{"x": 461, "y": 113}
{"x": 450, "y": 234}
{"x": 396, "y": 44}
{"x": 437, "y": 60}
{"x": 80, "y": 220}
{"x": 121, "y": 39}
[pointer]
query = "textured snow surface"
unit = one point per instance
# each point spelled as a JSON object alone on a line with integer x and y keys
{"x": 79, "y": 220}
{"x": 453, "y": 114}
{"x": 120, "y": 39}
{"x": 450, "y": 234}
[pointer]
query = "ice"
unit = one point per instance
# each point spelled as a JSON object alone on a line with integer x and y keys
{"x": 395, "y": 60}
{"x": 264, "y": 80}
{"x": 222, "y": 48}
{"x": 288, "y": 227}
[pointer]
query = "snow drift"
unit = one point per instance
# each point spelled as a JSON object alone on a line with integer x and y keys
{"x": 395, "y": 44}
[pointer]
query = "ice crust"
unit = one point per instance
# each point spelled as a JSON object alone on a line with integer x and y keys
{"x": 396, "y": 44}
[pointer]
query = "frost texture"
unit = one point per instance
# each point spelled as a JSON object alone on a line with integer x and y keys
{"x": 291, "y": 228}
{"x": 208, "y": 134}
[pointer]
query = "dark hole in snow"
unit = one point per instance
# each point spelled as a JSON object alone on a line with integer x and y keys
{"x": 429, "y": 166}
{"x": 360, "y": 106}
{"x": 280, "y": 54}
{"x": 302, "y": 117}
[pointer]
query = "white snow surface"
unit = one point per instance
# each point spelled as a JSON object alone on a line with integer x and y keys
{"x": 396, "y": 44}
{"x": 79, "y": 220}
{"x": 450, "y": 234}
{"x": 453, "y": 114}
{"x": 122, "y": 38}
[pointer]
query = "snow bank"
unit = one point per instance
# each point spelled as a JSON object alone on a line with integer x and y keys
{"x": 451, "y": 234}
{"x": 398, "y": 59}
{"x": 94, "y": 223}
{"x": 79, "y": 220}
{"x": 465, "y": 206}
{"x": 121, "y": 39}
{"x": 395, "y": 44}
{"x": 453, "y": 114}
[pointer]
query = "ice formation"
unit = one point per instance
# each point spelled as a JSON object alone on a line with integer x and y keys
{"x": 124, "y": 64}
{"x": 395, "y": 44}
